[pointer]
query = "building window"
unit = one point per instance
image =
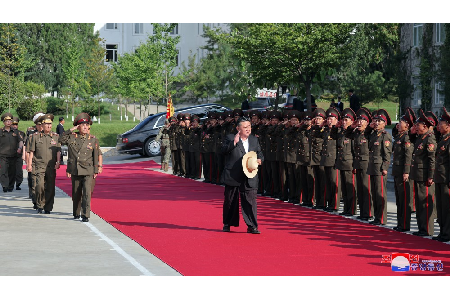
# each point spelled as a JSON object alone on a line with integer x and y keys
{"x": 417, "y": 32}
{"x": 417, "y": 97}
{"x": 177, "y": 58}
{"x": 111, "y": 53}
{"x": 439, "y": 93}
{"x": 174, "y": 30}
{"x": 138, "y": 28}
{"x": 111, "y": 26}
{"x": 440, "y": 33}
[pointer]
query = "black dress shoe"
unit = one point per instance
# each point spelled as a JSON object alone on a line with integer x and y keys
{"x": 226, "y": 228}
{"x": 318, "y": 207}
{"x": 46, "y": 212}
{"x": 331, "y": 210}
{"x": 10, "y": 190}
{"x": 375, "y": 222}
{"x": 40, "y": 211}
{"x": 443, "y": 240}
{"x": 348, "y": 214}
{"x": 84, "y": 219}
{"x": 342, "y": 213}
{"x": 436, "y": 238}
{"x": 419, "y": 233}
{"x": 18, "y": 187}
{"x": 364, "y": 219}
{"x": 253, "y": 230}
{"x": 5, "y": 190}
{"x": 35, "y": 206}
{"x": 76, "y": 217}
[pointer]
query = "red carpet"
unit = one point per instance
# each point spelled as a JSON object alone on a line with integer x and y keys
{"x": 180, "y": 221}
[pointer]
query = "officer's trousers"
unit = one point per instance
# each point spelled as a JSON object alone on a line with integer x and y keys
{"x": 275, "y": 176}
{"x": 443, "y": 209}
{"x": 292, "y": 175}
{"x": 379, "y": 198}
{"x": 348, "y": 191}
{"x": 81, "y": 195}
{"x": 206, "y": 167}
{"x": 19, "y": 170}
{"x": 333, "y": 195}
{"x": 306, "y": 186}
{"x": 267, "y": 180}
{"x": 175, "y": 163}
{"x": 45, "y": 189}
{"x": 424, "y": 206}
{"x": 7, "y": 172}
{"x": 403, "y": 195}
{"x": 195, "y": 164}
{"x": 319, "y": 186}
{"x": 363, "y": 193}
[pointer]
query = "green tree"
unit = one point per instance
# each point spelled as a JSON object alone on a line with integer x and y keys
{"x": 32, "y": 100}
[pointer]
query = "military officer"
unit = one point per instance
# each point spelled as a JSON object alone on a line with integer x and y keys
{"x": 31, "y": 130}
{"x": 316, "y": 142}
{"x": 442, "y": 178}
{"x": 195, "y": 135}
{"x": 211, "y": 147}
{"x": 380, "y": 149}
{"x": 344, "y": 160}
{"x": 271, "y": 144}
{"x": 328, "y": 161}
{"x": 185, "y": 141}
{"x": 173, "y": 145}
{"x": 280, "y": 133}
{"x": 179, "y": 137}
{"x": 402, "y": 150}
{"x": 361, "y": 136}
{"x": 306, "y": 177}
{"x": 422, "y": 172}
{"x": 44, "y": 158}
{"x": 19, "y": 157}
{"x": 264, "y": 178}
{"x": 290, "y": 156}
{"x": 11, "y": 144}
{"x": 163, "y": 135}
{"x": 218, "y": 137}
{"x": 82, "y": 164}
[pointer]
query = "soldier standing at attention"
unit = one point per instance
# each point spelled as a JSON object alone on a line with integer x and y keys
{"x": 173, "y": 145}
{"x": 316, "y": 142}
{"x": 186, "y": 143}
{"x": 195, "y": 135}
{"x": 442, "y": 179}
{"x": 422, "y": 172}
{"x": 360, "y": 136}
{"x": 271, "y": 144}
{"x": 280, "y": 133}
{"x": 19, "y": 156}
{"x": 179, "y": 137}
{"x": 290, "y": 151}
{"x": 218, "y": 136}
{"x": 344, "y": 160}
{"x": 11, "y": 144}
{"x": 82, "y": 164}
{"x": 306, "y": 177}
{"x": 402, "y": 154}
{"x": 380, "y": 149}
{"x": 163, "y": 135}
{"x": 44, "y": 158}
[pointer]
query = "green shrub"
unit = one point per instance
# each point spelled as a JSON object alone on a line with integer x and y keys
{"x": 55, "y": 106}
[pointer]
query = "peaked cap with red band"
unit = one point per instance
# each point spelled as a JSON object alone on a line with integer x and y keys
{"x": 319, "y": 112}
{"x": 428, "y": 121}
{"x": 82, "y": 118}
{"x": 445, "y": 116}
{"x": 382, "y": 114}
{"x": 333, "y": 112}
{"x": 408, "y": 117}
{"x": 364, "y": 113}
{"x": 348, "y": 113}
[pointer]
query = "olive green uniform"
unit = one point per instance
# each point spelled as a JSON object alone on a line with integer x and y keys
{"x": 45, "y": 148}
{"x": 9, "y": 144}
{"x": 290, "y": 162}
{"x": 179, "y": 138}
{"x": 306, "y": 177}
{"x": 316, "y": 142}
{"x": 174, "y": 149}
{"x": 442, "y": 180}
{"x": 163, "y": 135}
{"x": 82, "y": 164}
{"x": 19, "y": 163}
{"x": 195, "y": 135}
{"x": 328, "y": 161}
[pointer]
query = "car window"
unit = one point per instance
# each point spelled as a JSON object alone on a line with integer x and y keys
{"x": 160, "y": 121}
{"x": 259, "y": 103}
{"x": 149, "y": 120}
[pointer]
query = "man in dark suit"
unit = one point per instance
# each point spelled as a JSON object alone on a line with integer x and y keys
{"x": 245, "y": 105}
{"x": 339, "y": 104}
{"x": 60, "y": 131}
{"x": 234, "y": 147}
{"x": 354, "y": 101}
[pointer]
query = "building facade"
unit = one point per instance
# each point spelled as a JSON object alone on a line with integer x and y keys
{"x": 411, "y": 42}
{"x": 123, "y": 38}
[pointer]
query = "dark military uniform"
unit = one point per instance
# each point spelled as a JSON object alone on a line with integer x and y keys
{"x": 316, "y": 142}
{"x": 271, "y": 149}
{"x": 195, "y": 135}
{"x": 361, "y": 163}
{"x": 402, "y": 150}
{"x": 45, "y": 147}
{"x": 328, "y": 161}
{"x": 179, "y": 138}
{"x": 292, "y": 169}
{"x": 163, "y": 135}
{"x": 207, "y": 149}
{"x": 442, "y": 180}
{"x": 306, "y": 177}
{"x": 82, "y": 164}
{"x": 380, "y": 149}
{"x": 219, "y": 134}
{"x": 344, "y": 163}
{"x": 186, "y": 146}
{"x": 422, "y": 168}
{"x": 10, "y": 142}
{"x": 173, "y": 146}
{"x": 280, "y": 161}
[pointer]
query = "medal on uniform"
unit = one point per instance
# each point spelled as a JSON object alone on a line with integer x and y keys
{"x": 430, "y": 147}
{"x": 443, "y": 148}
{"x": 387, "y": 143}
{"x": 420, "y": 146}
{"x": 89, "y": 146}
{"x": 407, "y": 144}
{"x": 53, "y": 142}
{"x": 376, "y": 143}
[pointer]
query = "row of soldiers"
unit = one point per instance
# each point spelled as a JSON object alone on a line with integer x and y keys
{"x": 320, "y": 158}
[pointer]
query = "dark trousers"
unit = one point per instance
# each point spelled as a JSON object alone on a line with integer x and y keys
{"x": 45, "y": 189}
{"x": 283, "y": 181}
{"x": 19, "y": 170}
{"x": 363, "y": 193}
{"x": 220, "y": 160}
{"x": 231, "y": 205}
{"x": 275, "y": 176}
{"x": 348, "y": 191}
{"x": 195, "y": 164}
{"x": 7, "y": 172}
{"x": 214, "y": 167}
{"x": 424, "y": 206}
{"x": 187, "y": 164}
{"x": 319, "y": 186}
{"x": 175, "y": 163}
{"x": 443, "y": 209}
{"x": 379, "y": 198}
{"x": 206, "y": 167}
{"x": 182, "y": 162}
{"x": 267, "y": 180}
{"x": 81, "y": 194}
{"x": 292, "y": 176}
{"x": 403, "y": 195}
{"x": 306, "y": 185}
{"x": 333, "y": 195}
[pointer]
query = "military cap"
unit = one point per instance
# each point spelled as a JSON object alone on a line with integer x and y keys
{"x": 319, "y": 112}
{"x": 295, "y": 114}
{"x": 430, "y": 114}
{"x": 275, "y": 115}
{"x": 228, "y": 114}
{"x": 172, "y": 119}
{"x": 382, "y": 114}
{"x": 428, "y": 121}
{"x": 264, "y": 115}
{"x": 364, "y": 113}
{"x": 7, "y": 116}
{"x": 211, "y": 115}
{"x": 333, "y": 112}
{"x": 81, "y": 118}
{"x": 36, "y": 118}
{"x": 307, "y": 115}
{"x": 408, "y": 117}
{"x": 445, "y": 116}
{"x": 186, "y": 117}
{"x": 48, "y": 119}
{"x": 285, "y": 114}
{"x": 348, "y": 113}
{"x": 220, "y": 116}
{"x": 252, "y": 113}
{"x": 195, "y": 118}
{"x": 238, "y": 112}
{"x": 15, "y": 120}
{"x": 246, "y": 114}
{"x": 180, "y": 117}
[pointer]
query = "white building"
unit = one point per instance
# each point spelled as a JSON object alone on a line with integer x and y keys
{"x": 123, "y": 38}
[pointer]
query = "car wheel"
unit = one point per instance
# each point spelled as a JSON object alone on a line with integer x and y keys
{"x": 152, "y": 148}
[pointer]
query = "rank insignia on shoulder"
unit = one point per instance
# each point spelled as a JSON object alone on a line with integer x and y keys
{"x": 430, "y": 147}
{"x": 387, "y": 143}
